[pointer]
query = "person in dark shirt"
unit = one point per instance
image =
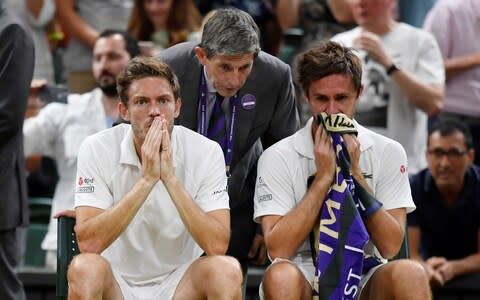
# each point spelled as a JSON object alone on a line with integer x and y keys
{"x": 444, "y": 229}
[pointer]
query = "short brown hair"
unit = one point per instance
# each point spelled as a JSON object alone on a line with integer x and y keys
{"x": 143, "y": 67}
{"x": 325, "y": 59}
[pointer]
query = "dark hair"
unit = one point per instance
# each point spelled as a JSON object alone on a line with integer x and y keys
{"x": 448, "y": 126}
{"x": 131, "y": 44}
{"x": 230, "y": 31}
{"x": 325, "y": 59}
{"x": 143, "y": 67}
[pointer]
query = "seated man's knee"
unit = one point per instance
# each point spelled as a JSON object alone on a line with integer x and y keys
{"x": 282, "y": 275}
{"x": 87, "y": 266}
{"x": 409, "y": 277}
{"x": 225, "y": 269}
{"x": 410, "y": 271}
{"x": 398, "y": 279}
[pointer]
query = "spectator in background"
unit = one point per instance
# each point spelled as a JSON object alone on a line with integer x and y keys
{"x": 82, "y": 21}
{"x": 456, "y": 26}
{"x": 163, "y": 22}
{"x": 59, "y": 128}
{"x": 35, "y": 16}
{"x": 319, "y": 19}
{"x": 16, "y": 71}
{"x": 444, "y": 230}
{"x": 227, "y": 80}
{"x": 403, "y": 76}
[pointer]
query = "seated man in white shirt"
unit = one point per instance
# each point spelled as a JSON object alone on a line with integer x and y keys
{"x": 150, "y": 199}
{"x": 298, "y": 183}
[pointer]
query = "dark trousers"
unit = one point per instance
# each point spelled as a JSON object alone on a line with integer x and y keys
{"x": 243, "y": 231}
{"x": 11, "y": 288}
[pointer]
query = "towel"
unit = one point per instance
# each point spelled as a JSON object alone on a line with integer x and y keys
{"x": 339, "y": 240}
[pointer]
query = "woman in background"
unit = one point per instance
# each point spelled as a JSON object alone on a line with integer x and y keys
{"x": 159, "y": 24}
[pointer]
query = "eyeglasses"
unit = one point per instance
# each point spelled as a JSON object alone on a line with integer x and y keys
{"x": 451, "y": 153}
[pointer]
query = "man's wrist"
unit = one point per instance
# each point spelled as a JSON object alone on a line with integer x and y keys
{"x": 357, "y": 174}
{"x": 170, "y": 181}
{"x": 147, "y": 182}
{"x": 392, "y": 69}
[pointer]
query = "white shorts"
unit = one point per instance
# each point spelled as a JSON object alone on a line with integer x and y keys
{"x": 305, "y": 266}
{"x": 158, "y": 290}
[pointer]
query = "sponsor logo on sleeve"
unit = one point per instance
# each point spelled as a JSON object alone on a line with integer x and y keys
{"x": 260, "y": 182}
{"x": 264, "y": 198}
{"x": 220, "y": 191}
{"x": 85, "y": 185}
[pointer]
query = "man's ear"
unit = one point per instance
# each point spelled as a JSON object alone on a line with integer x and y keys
{"x": 178, "y": 105}
{"x": 360, "y": 92}
{"x": 201, "y": 55}
{"x": 123, "y": 109}
{"x": 471, "y": 156}
{"x": 304, "y": 97}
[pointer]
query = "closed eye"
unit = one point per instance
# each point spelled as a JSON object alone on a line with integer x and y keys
{"x": 341, "y": 97}
{"x": 321, "y": 98}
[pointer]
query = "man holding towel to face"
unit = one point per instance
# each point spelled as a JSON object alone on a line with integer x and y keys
{"x": 332, "y": 198}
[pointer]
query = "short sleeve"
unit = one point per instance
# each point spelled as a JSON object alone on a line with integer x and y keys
{"x": 91, "y": 187}
{"x": 393, "y": 187}
{"x": 213, "y": 192}
{"x": 274, "y": 193}
{"x": 429, "y": 66}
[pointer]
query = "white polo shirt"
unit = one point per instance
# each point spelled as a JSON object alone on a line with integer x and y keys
{"x": 156, "y": 242}
{"x": 283, "y": 170}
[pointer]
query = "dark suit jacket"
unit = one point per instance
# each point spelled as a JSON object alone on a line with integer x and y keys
{"x": 16, "y": 70}
{"x": 274, "y": 117}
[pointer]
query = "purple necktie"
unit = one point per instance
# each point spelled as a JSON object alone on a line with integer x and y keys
{"x": 217, "y": 125}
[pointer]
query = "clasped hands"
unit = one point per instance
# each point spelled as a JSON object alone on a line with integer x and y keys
{"x": 156, "y": 152}
{"x": 439, "y": 270}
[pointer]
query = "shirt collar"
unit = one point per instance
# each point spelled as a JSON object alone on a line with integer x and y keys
{"x": 210, "y": 88}
{"x": 468, "y": 184}
{"x": 303, "y": 141}
{"x": 365, "y": 138}
{"x": 128, "y": 154}
{"x": 428, "y": 183}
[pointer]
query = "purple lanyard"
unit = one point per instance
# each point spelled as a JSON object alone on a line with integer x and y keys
{"x": 202, "y": 128}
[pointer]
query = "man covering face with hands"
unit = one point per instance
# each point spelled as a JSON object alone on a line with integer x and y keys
{"x": 144, "y": 193}
{"x": 332, "y": 198}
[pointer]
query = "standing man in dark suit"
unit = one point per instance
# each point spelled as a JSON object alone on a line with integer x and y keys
{"x": 258, "y": 105}
{"x": 16, "y": 71}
